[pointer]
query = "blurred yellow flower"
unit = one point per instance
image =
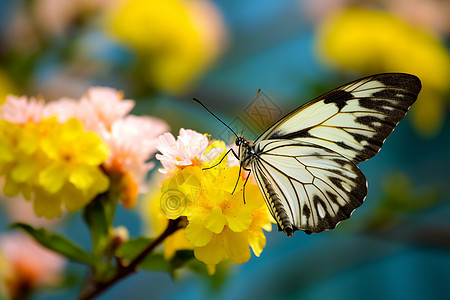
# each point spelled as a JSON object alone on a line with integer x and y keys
{"x": 52, "y": 163}
{"x": 176, "y": 39}
{"x": 68, "y": 151}
{"x": 75, "y": 156}
{"x": 220, "y": 225}
{"x": 371, "y": 41}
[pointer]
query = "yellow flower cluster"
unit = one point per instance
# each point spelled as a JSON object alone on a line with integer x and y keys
{"x": 220, "y": 225}
{"x": 371, "y": 41}
{"x": 52, "y": 164}
{"x": 175, "y": 39}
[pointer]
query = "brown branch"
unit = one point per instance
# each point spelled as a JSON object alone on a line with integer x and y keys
{"x": 99, "y": 287}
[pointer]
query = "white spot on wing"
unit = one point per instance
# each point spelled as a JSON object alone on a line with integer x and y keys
{"x": 320, "y": 210}
{"x": 371, "y": 84}
{"x": 346, "y": 186}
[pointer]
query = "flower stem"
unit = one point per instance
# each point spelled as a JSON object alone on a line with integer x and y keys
{"x": 96, "y": 288}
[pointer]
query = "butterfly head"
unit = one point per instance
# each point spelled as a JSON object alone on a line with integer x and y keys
{"x": 244, "y": 143}
{"x": 246, "y": 150}
{"x": 239, "y": 141}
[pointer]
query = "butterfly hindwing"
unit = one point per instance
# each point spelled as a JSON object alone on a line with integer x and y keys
{"x": 305, "y": 186}
{"x": 352, "y": 120}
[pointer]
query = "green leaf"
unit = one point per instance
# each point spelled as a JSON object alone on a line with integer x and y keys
{"x": 57, "y": 243}
{"x": 133, "y": 247}
{"x": 157, "y": 262}
{"x": 181, "y": 257}
{"x": 96, "y": 219}
{"x": 217, "y": 280}
{"x": 154, "y": 261}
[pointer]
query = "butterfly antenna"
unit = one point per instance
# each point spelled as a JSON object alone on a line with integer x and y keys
{"x": 198, "y": 101}
{"x": 253, "y": 104}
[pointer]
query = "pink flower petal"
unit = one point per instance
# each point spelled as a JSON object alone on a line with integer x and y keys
{"x": 20, "y": 250}
{"x": 186, "y": 150}
{"x": 21, "y": 110}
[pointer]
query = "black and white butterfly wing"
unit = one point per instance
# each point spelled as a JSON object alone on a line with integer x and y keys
{"x": 353, "y": 120}
{"x": 305, "y": 186}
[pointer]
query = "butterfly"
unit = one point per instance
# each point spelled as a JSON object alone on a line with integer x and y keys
{"x": 306, "y": 163}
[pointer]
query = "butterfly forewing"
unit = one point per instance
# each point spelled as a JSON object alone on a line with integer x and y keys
{"x": 352, "y": 120}
{"x": 305, "y": 164}
{"x": 305, "y": 186}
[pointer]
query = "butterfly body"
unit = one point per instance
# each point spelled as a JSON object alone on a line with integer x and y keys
{"x": 305, "y": 164}
{"x": 248, "y": 156}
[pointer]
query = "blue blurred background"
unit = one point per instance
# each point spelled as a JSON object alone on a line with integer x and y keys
{"x": 396, "y": 246}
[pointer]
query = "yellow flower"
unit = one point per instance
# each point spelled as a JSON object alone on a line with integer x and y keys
{"x": 220, "y": 225}
{"x": 176, "y": 39}
{"x": 9, "y": 138}
{"x": 19, "y": 158}
{"x": 52, "y": 163}
{"x": 157, "y": 221}
{"x": 72, "y": 175}
{"x": 171, "y": 204}
{"x": 75, "y": 156}
{"x": 372, "y": 41}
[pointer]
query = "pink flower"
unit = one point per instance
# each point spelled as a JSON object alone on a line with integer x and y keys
{"x": 132, "y": 142}
{"x": 66, "y": 108}
{"x": 63, "y": 109}
{"x": 187, "y": 150}
{"x": 107, "y": 103}
{"x": 97, "y": 109}
{"x": 22, "y": 110}
{"x": 20, "y": 210}
{"x": 27, "y": 264}
{"x": 131, "y": 139}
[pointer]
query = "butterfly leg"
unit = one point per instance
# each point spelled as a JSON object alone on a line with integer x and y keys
{"x": 245, "y": 183}
{"x": 231, "y": 150}
{"x": 237, "y": 181}
{"x": 239, "y": 176}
